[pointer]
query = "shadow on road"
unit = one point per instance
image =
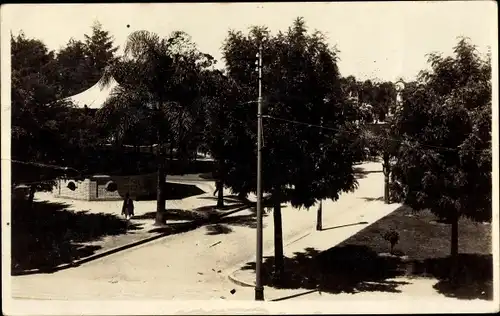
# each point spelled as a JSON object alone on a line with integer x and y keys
{"x": 370, "y": 199}
{"x": 173, "y": 214}
{"x": 223, "y": 226}
{"x": 355, "y": 268}
{"x": 174, "y": 191}
{"x": 347, "y": 225}
{"x": 361, "y": 173}
{"x": 49, "y": 235}
{"x": 176, "y": 228}
{"x": 348, "y": 269}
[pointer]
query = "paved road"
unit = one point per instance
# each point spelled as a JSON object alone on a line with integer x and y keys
{"x": 195, "y": 264}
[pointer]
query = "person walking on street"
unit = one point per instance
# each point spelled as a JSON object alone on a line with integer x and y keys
{"x": 128, "y": 207}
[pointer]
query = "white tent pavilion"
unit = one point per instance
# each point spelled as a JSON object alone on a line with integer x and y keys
{"x": 95, "y": 96}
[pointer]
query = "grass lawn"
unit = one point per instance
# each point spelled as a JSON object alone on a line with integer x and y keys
{"x": 422, "y": 236}
{"x": 424, "y": 243}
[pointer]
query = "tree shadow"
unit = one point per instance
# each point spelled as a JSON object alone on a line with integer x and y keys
{"x": 49, "y": 235}
{"x": 223, "y": 225}
{"x": 207, "y": 176}
{"x": 176, "y": 228}
{"x": 347, "y": 225}
{"x": 218, "y": 229}
{"x": 348, "y": 269}
{"x": 174, "y": 191}
{"x": 173, "y": 214}
{"x": 356, "y": 268}
{"x": 474, "y": 275}
{"x": 361, "y": 173}
{"x": 371, "y": 199}
{"x": 227, "y": 199}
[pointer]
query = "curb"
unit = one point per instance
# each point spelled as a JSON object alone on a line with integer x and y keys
{"x": 236, "y": 281}
{"x": 239, "y": 282}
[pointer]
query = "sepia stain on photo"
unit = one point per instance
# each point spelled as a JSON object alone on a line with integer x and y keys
{"x": 243, "y": 153}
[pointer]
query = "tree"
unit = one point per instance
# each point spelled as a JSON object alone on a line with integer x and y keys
{"x": 34, "y": 105}
{"x": 159, "y": 79}
{"x": 220, "y": 96}
{"x": 76, "y": 72}
{"x": 99, "y": 50}
{"x": 444, "y": 161}
{"x": 384, "y": 99}
{"x": 46, "y": 130}
{"x": 301, "y": 165}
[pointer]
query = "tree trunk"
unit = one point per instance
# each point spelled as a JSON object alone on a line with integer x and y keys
{"x": 160, "y": 189}
{"x": 319, "y": 217}
{"x": 454, "y": 236}
{"x": 279, "y": 267}
{"x": 219, "y": 184}
{"x": 242, "y": 196}
{"x": 454, "y": 247}
{"x": 31, "y": 196}
{"x": 387, "y": 171}
{"x": 220, "y": 193}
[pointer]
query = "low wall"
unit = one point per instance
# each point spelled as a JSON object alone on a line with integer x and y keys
{"x": 105, "y": 188}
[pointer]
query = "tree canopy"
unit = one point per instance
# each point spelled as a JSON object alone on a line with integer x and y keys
{"x": 444, "y": 161}
{"x": 301, "y": 83}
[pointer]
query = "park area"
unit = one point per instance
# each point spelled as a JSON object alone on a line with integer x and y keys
{"x": 363, "y": 262}
{"x": 61, "y": 233}
{"x": 256, "y": 166}
{"x": 348, "y": 256}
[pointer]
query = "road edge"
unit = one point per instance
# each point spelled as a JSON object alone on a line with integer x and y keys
{"x": 239, "y": 282}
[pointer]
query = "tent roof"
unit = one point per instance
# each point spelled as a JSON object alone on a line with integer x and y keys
{"x": 95, "y": 96}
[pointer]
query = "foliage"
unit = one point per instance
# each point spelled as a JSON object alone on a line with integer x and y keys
{"x": 301, "y": 82}
{"x": 159, "y": 91}
{"x": 75, "y": 68}
{"x": 444, "y": 162}
{"x": 99, "y": 50}
{"x": 81, "y": 63}
{"x": 46, "y": 128}
{"x": 36, "y": 112}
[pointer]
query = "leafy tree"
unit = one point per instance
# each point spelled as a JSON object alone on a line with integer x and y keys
{"x": 301, "y": 82}
{"x": 158, "y": 84}
{"x": 34, "y": 108}
{"x": 225, "y": 132}
{"x": 444, "y": 162}
{"x": 384, "y": 99}
{"x": 100, "y": 50}
{"x": 45, "y": 129}
{"x": 367, "y": 92}
{"x": 350, "y": 86}
{"x": 76, "y": 73}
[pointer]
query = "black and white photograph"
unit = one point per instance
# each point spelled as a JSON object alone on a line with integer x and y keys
{"x": 250, "y": 158}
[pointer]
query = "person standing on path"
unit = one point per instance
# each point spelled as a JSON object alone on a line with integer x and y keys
{"x": 128, "y": 207}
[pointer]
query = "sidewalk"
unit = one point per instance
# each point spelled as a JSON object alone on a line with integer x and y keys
{"x": 337, "y": 227}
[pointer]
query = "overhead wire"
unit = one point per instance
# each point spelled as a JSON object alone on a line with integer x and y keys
{"x": 311, "y": 125}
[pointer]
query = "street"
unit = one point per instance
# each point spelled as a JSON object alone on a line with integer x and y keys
{"x": 195, "y": 264}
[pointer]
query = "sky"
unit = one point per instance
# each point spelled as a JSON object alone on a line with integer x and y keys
{"x": 376, "y": 40}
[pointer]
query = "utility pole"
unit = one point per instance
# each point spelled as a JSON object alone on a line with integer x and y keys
{"x": 259, "y": 289}
{"x": 319, "y": 216}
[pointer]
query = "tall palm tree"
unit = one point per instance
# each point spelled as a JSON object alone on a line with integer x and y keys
{"x": 157, "y": 76}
